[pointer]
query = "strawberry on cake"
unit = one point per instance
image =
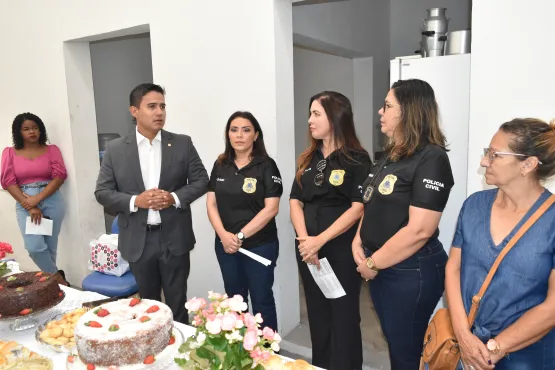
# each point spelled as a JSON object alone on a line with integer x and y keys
{"x": 125, "y": 332}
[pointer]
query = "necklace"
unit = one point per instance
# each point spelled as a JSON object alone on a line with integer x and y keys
{"x": 241, "y": 165}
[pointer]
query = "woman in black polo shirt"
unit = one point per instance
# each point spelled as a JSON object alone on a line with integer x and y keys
{"x": 243, "y": 200}
{"x": 404, "y": 197}
{"x": 325, "y": 205}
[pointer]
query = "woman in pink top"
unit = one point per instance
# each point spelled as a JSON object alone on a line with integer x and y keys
{"x": 32, "y": 172}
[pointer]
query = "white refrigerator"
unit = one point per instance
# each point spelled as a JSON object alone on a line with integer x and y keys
{"x": 449, "y": 76}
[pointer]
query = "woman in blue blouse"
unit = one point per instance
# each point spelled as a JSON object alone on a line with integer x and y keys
{"x": 513, "y": 327}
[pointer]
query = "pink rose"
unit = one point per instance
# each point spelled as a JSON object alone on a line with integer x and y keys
{"x": 228, "y": 321}
{"x": 224, "y": 304}
{"x": 249, "y": 321}
{"x": 256, "y": 355}
{"x": 268, "y": 333}
{"x": 214, "y": 326}
{"x": 237, "y": 304}
{"x": 195, "y": 304}
{"x": 250, "y": 340}
{"x": 213, "y": 295}
{"x": 197, "y": 321}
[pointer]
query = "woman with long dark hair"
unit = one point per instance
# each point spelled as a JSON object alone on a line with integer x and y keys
{"x": 396, "y": 245}
{"x": 32, "y": 172}
{"x": 325, "y": 204}
{"x": 242, "y": 202}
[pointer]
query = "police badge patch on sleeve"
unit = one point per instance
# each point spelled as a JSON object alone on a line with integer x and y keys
{"x": 249, "y": 186}
{"x": 387, "y": 185}
{"x": 336, "y": 177}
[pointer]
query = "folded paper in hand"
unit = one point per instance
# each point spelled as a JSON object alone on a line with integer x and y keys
{"x": 326, "y": 279}
{"x": 44, "y": 228}
{"x": 256, "y": 257}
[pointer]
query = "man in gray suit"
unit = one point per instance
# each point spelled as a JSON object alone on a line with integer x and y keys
{"x": 149, "y": 179}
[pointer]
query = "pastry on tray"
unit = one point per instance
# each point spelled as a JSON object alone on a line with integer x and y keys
{"x": 277, "y": 363}
{"x": 59, "y": 333}
{"x": 14, "y": 356}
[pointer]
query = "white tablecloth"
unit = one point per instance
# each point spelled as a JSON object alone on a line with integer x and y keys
{"x": 74, "y": 299}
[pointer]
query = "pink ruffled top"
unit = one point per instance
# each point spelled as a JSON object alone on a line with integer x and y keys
{"x": 18, "y": 170}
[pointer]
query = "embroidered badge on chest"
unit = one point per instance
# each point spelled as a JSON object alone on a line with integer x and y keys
{"x": 336, "y": 177}
{"x": 249, "y": 186}
{"x": 387, "y": 185}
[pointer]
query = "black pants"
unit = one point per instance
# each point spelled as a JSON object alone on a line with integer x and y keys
{"x": 334, "y": 323}
{"x": 158, "y": 270}
{"x": 243, "y": 275}
{"x": 404, "y": 297}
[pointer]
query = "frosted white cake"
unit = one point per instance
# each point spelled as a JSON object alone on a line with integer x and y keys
{"x": 124, "y": 332}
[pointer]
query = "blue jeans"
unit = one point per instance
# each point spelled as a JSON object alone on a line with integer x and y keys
{"x": 404, "y": 297}
{"x": 243, "y": 275}
{"x": 42, "y": 249}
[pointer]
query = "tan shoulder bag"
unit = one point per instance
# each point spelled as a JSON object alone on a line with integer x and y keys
{"x": 441, "y": 350}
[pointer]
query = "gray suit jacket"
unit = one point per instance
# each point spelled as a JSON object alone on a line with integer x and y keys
{"x": 120, "y": 178}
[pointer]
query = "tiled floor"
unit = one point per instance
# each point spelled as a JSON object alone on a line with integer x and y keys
{"x": 297, "y": 344}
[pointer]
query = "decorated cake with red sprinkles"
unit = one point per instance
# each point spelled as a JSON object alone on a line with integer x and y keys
{"x": 24, "y": 293}
{"x": 125, "y": 332}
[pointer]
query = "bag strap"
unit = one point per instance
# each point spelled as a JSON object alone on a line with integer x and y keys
{"x": 478, "y": 297}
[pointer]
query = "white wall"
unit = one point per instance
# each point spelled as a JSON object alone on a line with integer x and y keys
{"x": 118, "y": 66}
{"x": 314, "y": 73}
{"x": 195, "y": 56}
{"x": 407, "y": 17}
{"x": 505, "y": 84}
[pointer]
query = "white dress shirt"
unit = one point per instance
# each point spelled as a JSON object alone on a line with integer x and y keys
{"x": 150, "y": 158}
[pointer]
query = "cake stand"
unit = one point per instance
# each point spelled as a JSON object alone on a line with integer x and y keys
{"x": 164, "y": 360}
{"x": 31, "y": 320}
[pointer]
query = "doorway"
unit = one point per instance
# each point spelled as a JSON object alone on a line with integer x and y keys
{"x": 118, "y": 65}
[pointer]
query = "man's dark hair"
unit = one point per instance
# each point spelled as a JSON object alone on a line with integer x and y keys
{"x": 141, "y": 90}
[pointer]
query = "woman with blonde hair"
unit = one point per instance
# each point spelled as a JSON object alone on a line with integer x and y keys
{"x": 513, "y": 326}
{"x": 397, "y": 245}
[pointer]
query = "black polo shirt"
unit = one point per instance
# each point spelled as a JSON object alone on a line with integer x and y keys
{"x": 422, "y": 180}
{"x": 324, "y": 204}
{"x": 240, "y": 195}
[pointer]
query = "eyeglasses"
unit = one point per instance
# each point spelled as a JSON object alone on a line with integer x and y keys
{"x": 319, "y": 178}
{"x": 491, "y": 155}
{"x": 391, "y": 105}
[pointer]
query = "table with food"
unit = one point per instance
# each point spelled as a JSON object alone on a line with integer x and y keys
{"x": 44, "y": 326}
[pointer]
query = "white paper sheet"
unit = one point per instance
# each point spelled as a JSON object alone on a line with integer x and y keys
{"x": 256, "y": 257}
{"x": 327, "y": 280}
{"x": 45, "y": 227}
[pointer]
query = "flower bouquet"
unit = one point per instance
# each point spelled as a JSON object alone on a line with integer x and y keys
{"x": 226, "y": 337}
{"x": 5, "y": 248}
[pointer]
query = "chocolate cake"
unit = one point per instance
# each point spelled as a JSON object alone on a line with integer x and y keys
{"x": 125, "y": 332}
{"x": 26, "y": 292}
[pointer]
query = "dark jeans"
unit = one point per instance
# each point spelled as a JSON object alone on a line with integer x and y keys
{"x": 243, "y": 275}
{"x": 334, "y": 323}
{"x": 404, "y": 297}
